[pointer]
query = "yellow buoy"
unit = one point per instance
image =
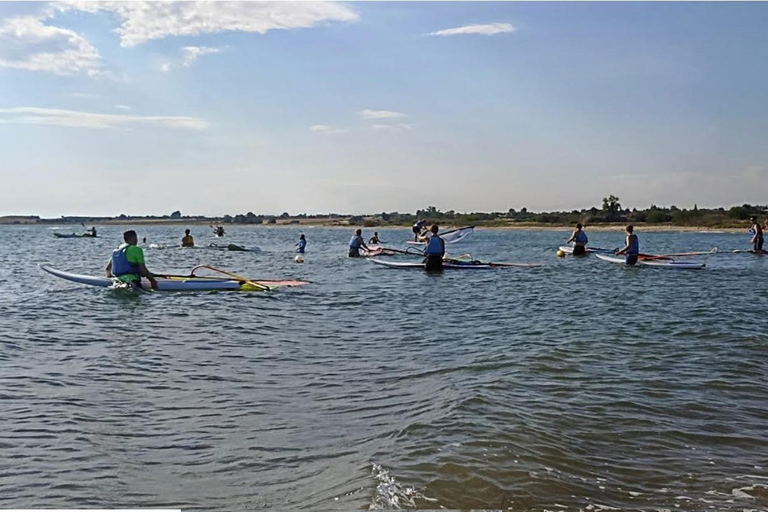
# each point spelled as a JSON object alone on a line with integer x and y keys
{"x": 560, "y": 254}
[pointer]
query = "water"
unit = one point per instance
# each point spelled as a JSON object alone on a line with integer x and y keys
{"x": 580, "y": 385}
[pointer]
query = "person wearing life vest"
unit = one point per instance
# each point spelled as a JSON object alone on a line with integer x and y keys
{"x": 757, "y": 239}
{"x": 418, "y": 229}
{"x": 631, "y": 251}
{"x": 127, "y": 263}
{"x": 434, "y": 251}
{"x": 301, "y": 247}
{"x": 580, "y": 240}
{"x": 356, "y": 243}
{"x": 188, "y": 240}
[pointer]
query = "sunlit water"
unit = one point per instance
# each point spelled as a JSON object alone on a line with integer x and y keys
{"x": 579, "y": 385}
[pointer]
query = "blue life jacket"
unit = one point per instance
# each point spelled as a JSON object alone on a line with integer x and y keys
{"x": 353, "y": 243}
{"x": 434, "y": 247}
{"x": 120, "y": 264}
{"x": 302, "y": 246}
{"x": 581, "y": 238}
{"x": 634, "y": 245}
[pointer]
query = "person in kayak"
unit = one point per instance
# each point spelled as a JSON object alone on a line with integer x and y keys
{"x": 374, "y": 240}
{"x": 188, "y": 240}
{"x": 127, "y": 263}
{"x": 580, "y": 240}
{"x": 757, "y": 239}
{"x": 301, "y": 247}
{"x": 356, "y": 243}
{"x": 91, "y": 232}
{"x": 219, "y": 231}
{"x": 632, "y": 248}
{"x": 434, "y": 251}
{"x": 418, "y": 229}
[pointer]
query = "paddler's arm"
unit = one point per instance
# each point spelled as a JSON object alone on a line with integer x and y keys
{"x": 573, "y": 237}
{"x": 625, "y": 249}
{"x": 109, "y": 269}
{"x": 146, "y": 273}
{"x": 442, "y": 245}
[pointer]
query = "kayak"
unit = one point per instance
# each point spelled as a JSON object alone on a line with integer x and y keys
{"x": 179, "y": 283}
{"x": 567, "y": 249}
{"x": 74, "y": 235}
{"x": 652, "y": 263}
{"x": 470, "y": 265}
{"x": 449, "y": 237}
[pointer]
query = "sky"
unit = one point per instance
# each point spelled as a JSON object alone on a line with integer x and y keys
{"x": 214, "y": 108}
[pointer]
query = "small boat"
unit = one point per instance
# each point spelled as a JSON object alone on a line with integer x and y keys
{"x": 670, "y": 263}
{"x": 74, "y": 235}
{"x": 189, "y": 283}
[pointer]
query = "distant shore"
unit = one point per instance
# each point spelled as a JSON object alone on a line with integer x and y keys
{"x": 368, "y": 224}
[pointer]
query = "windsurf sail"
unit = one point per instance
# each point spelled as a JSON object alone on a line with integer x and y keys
{"x": 452, "y": 236}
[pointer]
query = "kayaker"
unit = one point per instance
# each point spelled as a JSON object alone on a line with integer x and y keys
{"x": 757, "y": 235}
{"x": 418, "y": 229}
{"x": 188, "y": 240}
{"x": 92, "y": 231}
{"x": 301, "y": 247}
{"x": 374, "y": 240}
{"x": 580, "y": 240}
{"x": 356, "y": 243}
{"x": 632, "y": 248}
{"x": 127, "y": 263}
{"x": 434, "y": 251}
{"x": 220, "y": 231}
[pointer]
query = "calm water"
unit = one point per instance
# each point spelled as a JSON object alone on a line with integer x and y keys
{"x": 580, "y": 385}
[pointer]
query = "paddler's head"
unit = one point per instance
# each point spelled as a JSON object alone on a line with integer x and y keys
{"x": 130, "y": 237}
{"x": 578, "y": 225}
{"x": 753, "y": 219}
{"x": 302, "y": 237}
{"x": 359, "y": 232}
{"x": 630, "y": 229}
{"x": 186, "y": 232}
{"x": 434, "y": 229}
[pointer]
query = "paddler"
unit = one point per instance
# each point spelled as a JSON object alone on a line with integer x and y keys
{"x": 757, "y": 235}
{"x": 418, "y": 229}
{"x": 220, "y": 231}
{"x": 188, "y": 240}
{"x": 434, "y": 251}
{"x": 301, "y": 247}
{"x": 374, "y": 240}
{"x": 92, "y": 231}
{"x": 632, "y": 248}
{"x": 355, "y": 243}
{"x": 127, "y": 263}
{"x": 580, "y": 240}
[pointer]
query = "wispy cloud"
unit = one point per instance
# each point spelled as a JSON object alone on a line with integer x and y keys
{"x": 191, "y": 53}
{"x": 485, "y": 30}
{"x": 123, "y": 107}
{"x": 142, "y": 21}
{"x": 393, "y": 127}
{"x": 28, "y": 43}
{"x": 380, "y": 114}
{"x": 79, "y": 119}
{"x": 325, "y": 129}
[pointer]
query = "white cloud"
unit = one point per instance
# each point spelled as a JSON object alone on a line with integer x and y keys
{"x": 485, "y": 30}
{"x": 394, "y": 127}
{"x": 123, "y": 107}
{"x": 192, "y": 53}
{"x": 79, "y": 119}
{"x": 142, "y": 21}
{"x": 27, "y": 43}
{"x": 324, "y": 128}
{"x": 380, "y": 114}
{"x": 165, "y": 67}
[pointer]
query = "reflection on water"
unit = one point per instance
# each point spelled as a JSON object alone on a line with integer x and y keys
{"x": 579, "y": 385}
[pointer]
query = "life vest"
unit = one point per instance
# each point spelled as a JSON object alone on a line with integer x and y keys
{"x": 302, "y": 246}
{"x": 434, "y": 246}
{"x": 354, "y": 243}
{"x": 634, "y": 245}
{"x": 581, "y": 238}
{"x": 120, "y": 264}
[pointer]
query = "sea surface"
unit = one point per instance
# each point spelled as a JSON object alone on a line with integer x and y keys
{"x": 580, "y": 385}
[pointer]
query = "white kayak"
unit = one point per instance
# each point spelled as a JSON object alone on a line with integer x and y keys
{"x": 177, "y": 283}
{"x": 567, "y": 249}
{"x": 470, "y": 265}
{"x": 651, "y": 263}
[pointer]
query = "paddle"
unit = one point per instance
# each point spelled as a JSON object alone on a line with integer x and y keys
{"x": 234, "y": 276}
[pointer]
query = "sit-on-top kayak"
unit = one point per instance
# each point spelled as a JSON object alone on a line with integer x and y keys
{"x": 181, "y": 283}
{"x": 470, "y": 265}
{"x": 567, "y": 249}
{"x": 652, "y": 263}
{"x": 74, "y": 235}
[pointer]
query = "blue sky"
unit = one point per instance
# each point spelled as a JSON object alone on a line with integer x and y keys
{"x": 214, "y": 108}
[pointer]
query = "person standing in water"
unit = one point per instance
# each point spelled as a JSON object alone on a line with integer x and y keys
{"x": 757, "y": 239}
{"x": 418, "y": 228}
{"x": 301, "y": 247}
{"x": 188, "y": 240}
{"x": 356, "y": 243}
{"x": 434, "y": 251}
{"x": 127, "y": 263}
{"x": 580, "y": 241}
{"x": 631, "y": 250}
{"x": 375, "y": 239}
